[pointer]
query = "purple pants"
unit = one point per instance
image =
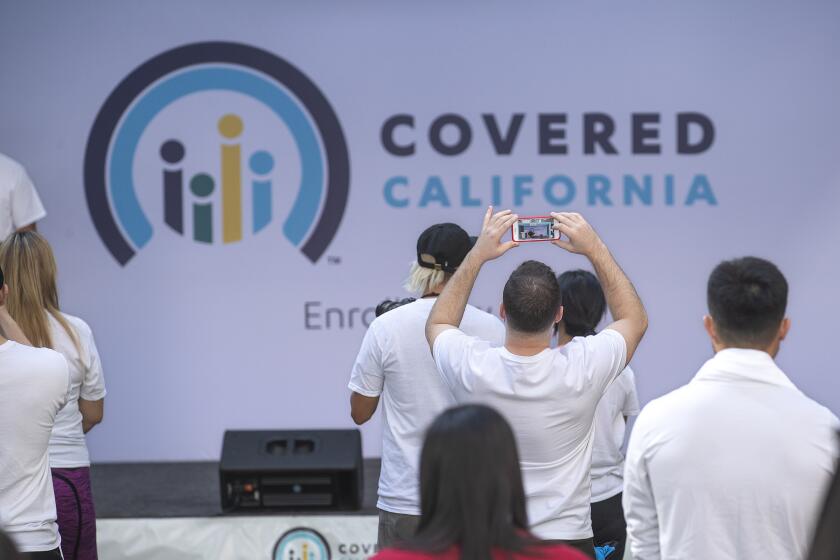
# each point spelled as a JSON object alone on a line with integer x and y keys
{"x": 76, "y": 517}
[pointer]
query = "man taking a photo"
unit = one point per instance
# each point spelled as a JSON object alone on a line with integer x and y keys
{"x": 548, "y": 395}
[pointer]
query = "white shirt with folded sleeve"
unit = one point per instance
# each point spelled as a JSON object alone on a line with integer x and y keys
{"x": 394, "y": 362}
{"x": 20, "y": 205}
{"x": 549, "y": 399}
{"x": 67, "y": 444}
{"x": 733, "y": 465}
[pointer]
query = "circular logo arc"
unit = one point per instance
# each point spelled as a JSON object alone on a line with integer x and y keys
{"x": 113, "y": 205}
{"x": 301, "y": 543}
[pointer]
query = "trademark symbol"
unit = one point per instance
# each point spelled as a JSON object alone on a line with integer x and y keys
{"x": 334, "y": 260}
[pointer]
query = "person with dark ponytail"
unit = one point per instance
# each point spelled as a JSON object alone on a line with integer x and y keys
{"x": 584, "y": 305}
{"x": 472, "y": 500}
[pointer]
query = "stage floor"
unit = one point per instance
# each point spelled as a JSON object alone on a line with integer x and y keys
{"x": 188, "y": 489}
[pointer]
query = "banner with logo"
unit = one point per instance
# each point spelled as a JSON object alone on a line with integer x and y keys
{"x": 232, "y": 188}
{"x": 338, "y": 537}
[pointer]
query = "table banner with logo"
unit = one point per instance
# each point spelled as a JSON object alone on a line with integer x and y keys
{"x": 311, "y": 537}
{"x": 231, "y": 188}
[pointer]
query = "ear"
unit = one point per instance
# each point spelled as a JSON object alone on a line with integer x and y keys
{"x": 559, "y": 316}
{"x": 709, "y": 324}
{"x": 502, "y": 313}
{"x": 784, "y": 328}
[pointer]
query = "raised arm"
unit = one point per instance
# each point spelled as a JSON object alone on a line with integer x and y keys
{"x": 451, "y": 303}
{"x": 629, "y": 316}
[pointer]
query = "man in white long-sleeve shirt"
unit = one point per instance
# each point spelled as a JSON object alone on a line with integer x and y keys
{"x": 735, "y": 464}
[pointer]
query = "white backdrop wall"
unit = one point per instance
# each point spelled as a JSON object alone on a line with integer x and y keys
{"x": 197, "y": 338}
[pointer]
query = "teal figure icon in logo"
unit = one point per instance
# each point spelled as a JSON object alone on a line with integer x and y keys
{"x": 261, "y": 164}
{"x": 202, "y": 186}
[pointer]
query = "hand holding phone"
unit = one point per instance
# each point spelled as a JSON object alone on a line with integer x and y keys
{"x": 581, "y": 238}
{"x": 534, "y": 228}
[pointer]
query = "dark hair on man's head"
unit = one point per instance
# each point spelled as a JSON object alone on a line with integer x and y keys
{"x": 531, "y": 297}
{"x": 583, "y": 302}
{"x": 747, "y": 299}
{"x": 471, "y": 492}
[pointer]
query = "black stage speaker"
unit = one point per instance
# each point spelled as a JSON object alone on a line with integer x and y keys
{"x": 291, "y": 470}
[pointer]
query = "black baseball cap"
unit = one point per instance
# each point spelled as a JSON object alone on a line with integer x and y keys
{"x": 443, "y": 247}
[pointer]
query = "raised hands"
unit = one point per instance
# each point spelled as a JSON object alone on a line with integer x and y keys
{"x": 489, "y": 244}
{"x": 582, "y": 238}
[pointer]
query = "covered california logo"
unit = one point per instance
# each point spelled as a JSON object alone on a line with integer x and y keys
{"x": 213, "y": 141}
{"x": 301, "y": 543}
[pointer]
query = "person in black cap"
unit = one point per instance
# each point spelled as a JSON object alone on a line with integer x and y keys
{"x": 394, "y": 364}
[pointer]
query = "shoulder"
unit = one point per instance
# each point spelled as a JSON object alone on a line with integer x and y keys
{"x": 52, "y": 358}
{"x": 455, "y": 337}
{"x": 10, "y": 167}
{"x": 606, "y": 337}
{"x": 609, "y": 337}
{"x": 455, "y": 351}
{"x": 81, "y": 330}
{"x": 77, "y": 323}
{"x": 45, "y": 361}
{"x": 381, "y": 323}
{"x": 36, "y": 353}
{"x": 819, "y": 414}
{"x": 585, "y": 348}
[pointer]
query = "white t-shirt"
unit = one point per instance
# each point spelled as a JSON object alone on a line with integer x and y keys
{"x": 395, "y": 362}
{"x": 67, "y": 444}
{"x": 19, "y": 202}
{"x": 619, "y": 401}
{"x": 33, "y": 388}
{"x": 550, "y": 400}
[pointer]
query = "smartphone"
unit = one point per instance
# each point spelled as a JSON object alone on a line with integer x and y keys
{"x": 534, "y": 228}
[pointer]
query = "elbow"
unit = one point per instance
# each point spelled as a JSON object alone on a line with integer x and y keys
{"x": 88, "y": 425}
{"x": 91, "y": 419}
{"x": 359, "y": 418}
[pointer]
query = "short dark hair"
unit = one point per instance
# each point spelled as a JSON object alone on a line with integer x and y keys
{"x": 584, "y": 303}
{"x": 531, "y": 297}
{"x": 747, "y": 299}
{"x": 471, "y": 491}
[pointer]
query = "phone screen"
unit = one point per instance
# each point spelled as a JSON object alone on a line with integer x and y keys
{"x": 535, "y": 229}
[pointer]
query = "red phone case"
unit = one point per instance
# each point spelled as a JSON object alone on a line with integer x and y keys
{"x": 513, "y": 232}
